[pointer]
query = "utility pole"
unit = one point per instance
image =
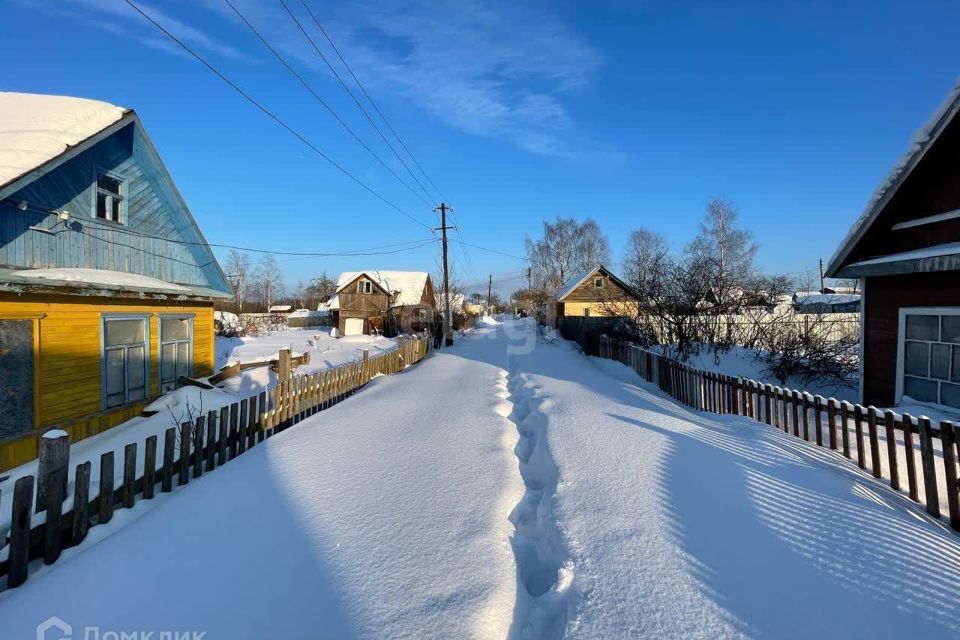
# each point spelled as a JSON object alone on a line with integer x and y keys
{"x": 821, "y": 275}
{"x": 489, "y": 289}
{"x": 447, "y": 322}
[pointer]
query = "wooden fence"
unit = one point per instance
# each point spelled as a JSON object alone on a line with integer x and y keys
{"x": 39, "y": 527}
{"x": 882, "y": 443}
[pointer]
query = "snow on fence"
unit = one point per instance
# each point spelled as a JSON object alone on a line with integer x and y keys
{"x": 887, "y": 444}
{"x": 47, "y": 518}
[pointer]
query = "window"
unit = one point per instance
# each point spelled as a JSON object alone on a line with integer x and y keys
{"x": 110, "y": 202}
{"x": 586, "y": 312}
{"x": 176, "y": 350}
{"x": 364, "y": 286}
{"x": 929, "y": 359}
{"x": 126, "y": 369}
{"x": 598, "y": 283}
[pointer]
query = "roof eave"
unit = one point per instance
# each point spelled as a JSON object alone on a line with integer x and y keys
{"x": 24, "y": 179}
{"x": 943, "y": 117}
{"x": 932, "y": 264}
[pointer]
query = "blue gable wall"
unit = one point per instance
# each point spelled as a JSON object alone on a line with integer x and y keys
{"x": 142, "y": 245}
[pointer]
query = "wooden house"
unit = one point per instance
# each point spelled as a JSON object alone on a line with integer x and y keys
{"x": 391, "y": 302}
{"x": 596, "y": 293}
{"x": 106, "y": 284}
{"x": 906, "y": 250}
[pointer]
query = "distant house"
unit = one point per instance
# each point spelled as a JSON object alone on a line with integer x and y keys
{"x": 598, "y": 292}
{"x": 816, "y": 302}
{"x": 280, "y": 309}
{"x": 107, "y": 285}
{"x": 906, "y": 249}
{"x": 388, "y": 301}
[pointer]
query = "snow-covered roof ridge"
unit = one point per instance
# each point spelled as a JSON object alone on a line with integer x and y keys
{"x": 35, "y": 128}
{"x": 578, "y": 279}
{"x": 921, "y": 141}
{"x": 409, "y": 284}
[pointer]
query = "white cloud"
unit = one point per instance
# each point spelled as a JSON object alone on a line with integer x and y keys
{"x": 119, "y": 18}
{"x": 488, "y": 68}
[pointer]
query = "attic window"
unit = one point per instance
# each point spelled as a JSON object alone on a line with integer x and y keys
{"x": 598, "y": 283}
{"x": 364, "y": 286}
{"x": 110, "y": 203}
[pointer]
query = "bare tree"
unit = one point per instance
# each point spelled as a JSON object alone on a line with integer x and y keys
{"x": 726, "y": 252}
{"x": 643, "y": 257}
{"x": 566, "y": 248}
{"x": 238, "y": 272}
{"x": 269, "y": 281}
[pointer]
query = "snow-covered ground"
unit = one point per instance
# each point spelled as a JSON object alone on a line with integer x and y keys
{"x": 743, "y": 363}
{"x": 324, "y": 351}
{"x": 400, "y": 513}
{"x": 178, "y": 406}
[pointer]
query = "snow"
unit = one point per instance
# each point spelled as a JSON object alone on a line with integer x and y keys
{"x": 948, "y": 249}
{"x": 743, "y": 363}
{"x": 410, "y": 284}
{"x": 921, "y": 139}
{"x": 53, "y": 434}
{"x": 826, "y": 298}
{"x": 573, "y": 283}
{"x": 325, "y": 351}
{"x": 35, "y": 129}
{"x": 100, "y": 277}
{"x": 511, "y": 488}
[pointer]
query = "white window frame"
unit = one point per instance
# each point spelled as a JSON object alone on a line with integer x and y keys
{"x": 161, "y": 378}
{"x": 104, "y": 319}
{"x": 97, "y": 172}
{"x": 598, "y": 282}
{"x": 365, "y": 286}
{"x": 902, "y": 341}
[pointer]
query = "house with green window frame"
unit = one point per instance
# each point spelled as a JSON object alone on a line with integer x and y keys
{"x": 107, "y": 285}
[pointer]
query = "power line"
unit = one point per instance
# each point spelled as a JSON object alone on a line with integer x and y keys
{"x": 347, "y": 89}
{"x": 317, "y": 97}
{"x": 373, "y": 103}
{"x": 112, "y": 227}
{"x": 271, "y": 115}
{"x": 503, "y": 253}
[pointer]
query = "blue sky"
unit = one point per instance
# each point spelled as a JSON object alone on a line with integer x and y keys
{"x": 633, "y": 113}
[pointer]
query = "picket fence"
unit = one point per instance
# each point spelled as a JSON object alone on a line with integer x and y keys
{"x": 852, "y": 428}
{"x": 188, "y": 451}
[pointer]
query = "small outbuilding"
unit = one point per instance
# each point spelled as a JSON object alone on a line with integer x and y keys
{"x": 905, "y": 248}
{"x": 390, "y": 302}
{"x": 596, "y": 293}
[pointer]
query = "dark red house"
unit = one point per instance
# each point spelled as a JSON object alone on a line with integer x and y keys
{"x": 906, "y": 249}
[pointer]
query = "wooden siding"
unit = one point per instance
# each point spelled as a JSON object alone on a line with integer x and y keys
{"x": 370, "y": 304}
{"x": 67, "y": 362}
{"x": 141, "y": 245}
{"x": 931, "y": 188}
{"x": 884, "y": 296}
{"x": 609, "y": 300}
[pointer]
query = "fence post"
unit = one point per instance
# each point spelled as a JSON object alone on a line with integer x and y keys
{"x": 911, "y": 457}
{"x": 283, "y": 365}
{"x": 929, "y": 470}
{"x": 891, "y": 432}
{"x": 948, "y": 444}
{"x": 874, "y": 441}
{"x": 19, "y": 553}
{"x": 54, "y": 457}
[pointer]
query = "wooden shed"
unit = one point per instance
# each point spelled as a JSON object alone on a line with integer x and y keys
{"x": 906, "y": 249}
{"x": 390, "y": 302}
{"x": 107, "y": 285}
{"x": 596, "y": 293}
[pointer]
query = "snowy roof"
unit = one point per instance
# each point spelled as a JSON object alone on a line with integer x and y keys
{"x": 826, "y": 298}
{"x": 99, "y": 279}
{"x": 35, "y": 129}
{"x": 409, "y": 284}
{"x": 578, "y": 279}
{"x": 922, "y": 141}
{"x": 280, "y": 308}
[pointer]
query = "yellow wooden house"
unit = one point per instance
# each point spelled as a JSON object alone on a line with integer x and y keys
{"x": 596, "y": 293}
{"x": 107, "y": 285}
